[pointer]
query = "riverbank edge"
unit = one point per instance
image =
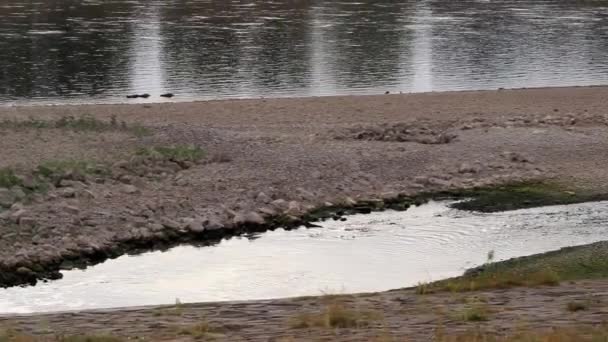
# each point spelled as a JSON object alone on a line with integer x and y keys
{"x": 511, "y": 196}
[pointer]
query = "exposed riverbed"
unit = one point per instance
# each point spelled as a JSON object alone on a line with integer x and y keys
{"x": 374, "y": 252}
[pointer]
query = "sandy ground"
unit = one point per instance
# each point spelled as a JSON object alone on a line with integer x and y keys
{"x": 286, "y": 156}
{"x": 400, "y": 315}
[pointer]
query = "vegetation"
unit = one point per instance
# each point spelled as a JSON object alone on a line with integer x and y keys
{"x": 78, "y": 124}
{"x": 573, "y": 334}
{"x": 335, "y": 315}
{"x": 178, "y": 154}
{"x": 476, "y": 312}
{"x": 8, "y": 178}
{"x": 571, "y": 263}
{"x": 517, "y": 196}
{"x": 203, "y": 330}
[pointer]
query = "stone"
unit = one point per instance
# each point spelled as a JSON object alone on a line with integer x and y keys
{"x": 421, "y": 179}
{"x": 7, "y": 198}
{"x": 280, "y": 204}
{"x": 468, "y": 168}
{"x": 213, "y": 223}
{"x": 16, "y": 206}
{"x": 155, "y": 227}
{"x": 19, "y": 193}
{"x": 24, "y": 271}
{"x": 294, "y": 208}
{"x": 169, "y": 223}
{"x": 305, "y": 194}
{"x": 27, "y": 221}
{"x": 348, "y": 201}
{"x": 317, "y": 175}
{"x": 248, "y": 218}
{"x": 17, "y": 215}
{"x": 67, "y": 193}
{"x": 72, "y": 210}
{"x": 263, "y": 198}
{"x": 195, "y": 225}
{"x": 87, "y": 194}
{"x": 130, "y": 189}
{"x": 267, "y": 212}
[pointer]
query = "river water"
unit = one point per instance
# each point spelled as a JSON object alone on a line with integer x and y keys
{"x": 98, "y": 51}
{"x": 374, "y": 252}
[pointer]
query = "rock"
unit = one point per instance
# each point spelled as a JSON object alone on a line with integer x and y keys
{"x": 7, "y": 198}
{"x": 16, "y": 206}
{"x": 421, "y": 180}
{"x": 267, "y": 212}
{"x": 72, "y": 210}
{"x": 67, "y": 193}
{"x": 294, "y": 208}
{"x": 348, "y": 201}
{"x": 17, "y": 215}
{"x": 169, "y": 223}
{"x": 280, "y": 204}
{"x": 213, "y": 223}
{"x": 18, "y": 193}
{"x": 316, "y": 175}
{"x": 389, "y": 195}
{"x": 263, "y": 198}
{"x": 195, "y": 225}
{"x": 87, "y": 194}
{"x": 155, "y": 227}
{"x": 468, "y": 168}
{"x": 130, "y": 189}
{"x": 24, "y": 271}
{"x": 305, "y": 194}
{"x": 27, "y": 221}
{"x": 248, "y": 218}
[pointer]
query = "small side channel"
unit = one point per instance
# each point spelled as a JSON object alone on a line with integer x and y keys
{"x": 375, "y": 252}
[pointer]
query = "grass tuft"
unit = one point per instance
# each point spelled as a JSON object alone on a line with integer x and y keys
{"x": 477, "y": 312}
{"x": 178, "y": 154}
{"x": 83, "y": 123}
{"x": 335, "y": 315}
{"x": 203, "y": 330}
{"x": 8, "y": 178}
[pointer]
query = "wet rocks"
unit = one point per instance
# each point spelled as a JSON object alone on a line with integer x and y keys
{"x": 249, "y": 218}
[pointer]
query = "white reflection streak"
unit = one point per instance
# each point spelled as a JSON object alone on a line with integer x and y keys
{"x": 146, "y": 69}
{"x": 422, "y": 46}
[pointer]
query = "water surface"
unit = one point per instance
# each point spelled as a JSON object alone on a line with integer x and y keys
{"x": 66, "y": 51}
{"x": 375, "y": 252}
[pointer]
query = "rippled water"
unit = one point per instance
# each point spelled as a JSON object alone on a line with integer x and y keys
{"x": 98, "y": 51}
{"x": 373, "y": 252}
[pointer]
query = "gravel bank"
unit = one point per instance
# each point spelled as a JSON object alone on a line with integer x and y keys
{"x": 274, "y": 160}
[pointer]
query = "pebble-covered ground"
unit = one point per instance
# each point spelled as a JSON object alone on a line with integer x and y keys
{"x": 267, "y": 158}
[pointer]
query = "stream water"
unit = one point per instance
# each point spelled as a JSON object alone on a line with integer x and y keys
{"x": 98, "y": 51}
{"x": 374, "y": 252}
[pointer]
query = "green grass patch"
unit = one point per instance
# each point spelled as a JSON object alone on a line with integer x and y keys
{"x": 177, "y": 154}
{"x": 57, "y": 170}
{"x": 84, "y": 123}
{"x": 547, "y": 269}
{"x": 518, "y": 196}
{"x": 8, "y": 178}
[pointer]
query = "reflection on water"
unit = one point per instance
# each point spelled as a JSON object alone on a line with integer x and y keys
{"x": 99, "y": 51}
{"x": 372, "y": 252}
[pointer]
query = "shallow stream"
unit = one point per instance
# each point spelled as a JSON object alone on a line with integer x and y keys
{"x": 374, "y": 252}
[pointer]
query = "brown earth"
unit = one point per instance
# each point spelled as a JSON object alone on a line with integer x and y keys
{"x": 400, "y": 315}
{"x": 285, "y": 157}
